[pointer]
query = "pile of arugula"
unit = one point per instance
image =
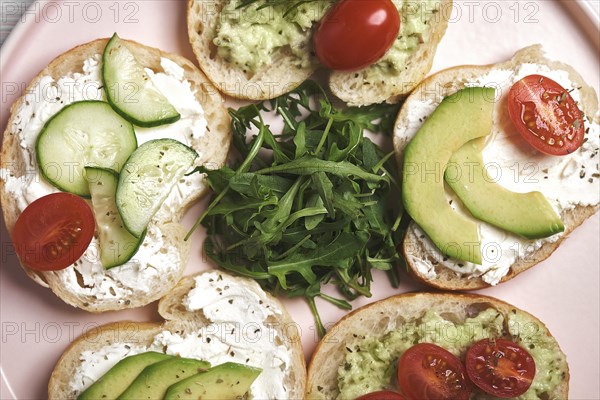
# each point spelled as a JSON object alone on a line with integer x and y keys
{"x": 307, "y": 206}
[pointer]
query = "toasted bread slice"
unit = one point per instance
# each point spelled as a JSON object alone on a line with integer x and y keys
{"x": 423, "y": 259}
{"x": 280, "y": 76}
{"x": 180, "y": 321}
{"x": 358, "y": 89}
{"x": 402, "y": 312}
{"x": 105, "y": 291}
{"x": 285, "y": 71}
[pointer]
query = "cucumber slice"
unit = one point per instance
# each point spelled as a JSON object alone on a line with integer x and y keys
{"x": 147, "y": 179}
{"x": 117, "y": 245}
{"x": 84, "y": 133}
{"x": 129, "y": 88}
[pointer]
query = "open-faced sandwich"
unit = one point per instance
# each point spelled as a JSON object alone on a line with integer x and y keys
{"x": 438, "y": 346}
{"x": 93, "y": 182}
{"x": 223, "y": 338}
{"x": 499, "y": 165}
{"x": 378, "y": 50}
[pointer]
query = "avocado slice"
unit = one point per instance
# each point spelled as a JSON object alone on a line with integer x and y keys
{"x": 526, "y": 214}
{"x": 460, "y": 118}
{"x": 229, "y": 381}
{"x": 119, "y": 377}
{"x": 153, "y": 382}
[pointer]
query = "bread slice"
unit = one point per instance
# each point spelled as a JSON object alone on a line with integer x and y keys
{"x": 357, "y": 89}
{"x": 416, "y": 246}
{"x": 283, "y": 73}
{"x": 212, "y": 149}
{"x": 279, "y": 77}
{"x": 377, "y": 319}
{"x": 179, "y": 320}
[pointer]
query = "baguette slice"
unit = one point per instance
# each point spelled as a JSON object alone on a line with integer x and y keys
{"x": 356, "y": 89}
{"x": 179, "y": 320}
{"x": 212, "y": 149}
{"x": 435, "y": 88}
{"x": 283, "y": 74}
{"x": 396, "y": 312}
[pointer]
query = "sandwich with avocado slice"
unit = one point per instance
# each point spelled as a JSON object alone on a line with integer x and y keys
{"x": 223, "y": 338}
{"x": 499, "y": 164}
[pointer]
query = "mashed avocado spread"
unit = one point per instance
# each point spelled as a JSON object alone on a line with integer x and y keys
{"x": 250, "y": 36}
{"x": 370, "y": 363}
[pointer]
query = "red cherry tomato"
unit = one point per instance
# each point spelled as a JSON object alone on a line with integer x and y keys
{"x": 427, "y": 371}
{"x": 382, "y": 395}
{"x": 546, "y": 115}
{"x": 53, "y": 231}
{"x": 356, "y": 33}
{"x": 500, "y": 367}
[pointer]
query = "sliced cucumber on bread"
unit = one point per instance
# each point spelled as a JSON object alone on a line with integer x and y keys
{"x": 84, "y": 133}
{"x": 130, "y": 90}
{"x": 117, "y": 245}
{"x": 147, "y": 179}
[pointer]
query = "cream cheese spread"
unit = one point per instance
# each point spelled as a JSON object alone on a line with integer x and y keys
{"x": 566, "y": 181}
{"x": 242, "y": 329}
{"x": 96, "y": 363}
{"x": 155, "y": 258}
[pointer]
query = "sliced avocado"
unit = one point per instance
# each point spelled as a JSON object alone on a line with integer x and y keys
{"x": 120, "y": 376}
{"x": 227, "y": 381}
{"x": 152, "y": 383}
{"x": 460, "y": 118}
{"x": 527, "y": 214}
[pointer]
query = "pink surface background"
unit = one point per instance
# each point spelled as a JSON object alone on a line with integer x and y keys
{"x": 562, "y": 291}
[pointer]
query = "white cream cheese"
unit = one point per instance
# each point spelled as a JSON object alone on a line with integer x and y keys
{"x": 94, "y": 364}
{"x": 566, "y": 181}
{"x": 154, "y": 259}
{"x": 242, "y": 330}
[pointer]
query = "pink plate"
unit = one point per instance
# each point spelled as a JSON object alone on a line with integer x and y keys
{"x": 562, "y": 291}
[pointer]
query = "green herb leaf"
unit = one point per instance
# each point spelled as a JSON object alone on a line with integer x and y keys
{"x": 308, "y": 205}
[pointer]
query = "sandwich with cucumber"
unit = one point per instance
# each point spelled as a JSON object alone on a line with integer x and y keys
{"x": 94, "y": 161}
{"x": 223, "y": 338}
{"x": 499, "y": 164}
{"x": 438, "y": 346}
{"x": 376, "y": 50}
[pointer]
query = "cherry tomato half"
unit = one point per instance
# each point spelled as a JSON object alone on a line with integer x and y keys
{"x": 546, "y": 115}
{"x": 500, "y": 367}
{"x": 382, "y": 395}
{"x": 356, "y": 33}
{"x": 427, "y": 371}
{"x": 53, "y": 231}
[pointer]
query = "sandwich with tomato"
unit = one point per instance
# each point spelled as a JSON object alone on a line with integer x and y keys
{"x": 499, "y": 164}
{"x": 93, "y": 181}
{"x": 375, "y": 50}
{"x": 438, "y": 346}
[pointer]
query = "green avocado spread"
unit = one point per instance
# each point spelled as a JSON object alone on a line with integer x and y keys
{"x": 370, "y": 362}
{"x": 250, "y": 36}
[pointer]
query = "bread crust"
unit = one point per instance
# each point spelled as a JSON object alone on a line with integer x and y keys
{"x": 435, "y": 88}
{"x": 378, "y": 318}
{"x": 213, "y": 150}
{"x": 177, "y": 319}
{"x": 282, "y": 75}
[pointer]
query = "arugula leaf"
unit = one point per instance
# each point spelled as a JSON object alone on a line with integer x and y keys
{"x": 308, "y": 205}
